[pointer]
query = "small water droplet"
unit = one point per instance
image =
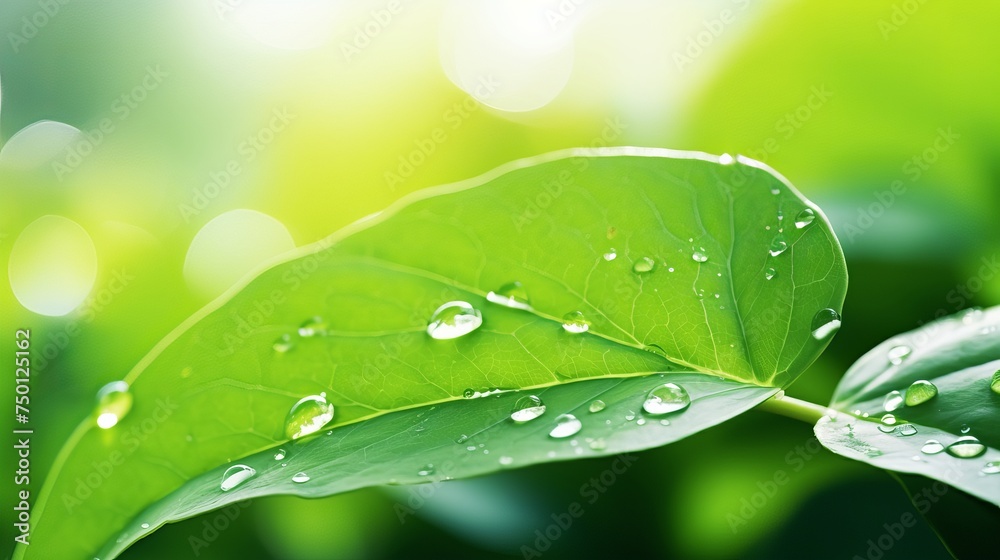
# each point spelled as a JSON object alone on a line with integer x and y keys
{"x": 932, "y": 447}
{"x": 775, "y": 190}
{"x": 283, "y": 344}
{"x": 907, "y": 430}
{"x": 995, "y": 382}
{"x": 699, "y": 256}
{"x": 279, "y": 454}
{"x": 566, "y": 425}
{"x": 993, "y": 467}
{"x": 965, "y": 428}
{"x": 611, "y": 255}
{"x": 664, "y": 422}
{"x": 645, "y": 264}
{"x": 770, "y": 273}
{"x": 313, "y": 326}
{"x": 966, "y": 447}
{"x": 665, "y": 399}
{"x": 629, "y": 416}
{"x": 919, "y": 392}
{"x": 527, "y": 408}
{"x": 511, "y": 295}
{"x": 726, "y": 159}
{"x": 575, "y": 322}
{"x": 597, "y": 406}
{"x": 892, "y": 401}
{"x": 597, "y": 444}
{"x": 462, "y": 439}
{"x": 805, "y": 218}
{"x": 897, "y": 354}
{"x": 236, "y": 475}
{"x": 454, "y": 319}
{"x": 300, "y": 477}
{"x": 825, "y": 323}
{"x": 426, "y": 470}
{"x": 144, "y": 525}
{"x": 308, "y": 416}
{"x": 888, "y": 424}
{"x": 505, "y": 460}
{"x": 114, "y": 401}
{"x": 640, "y": 422}
{"x": 778, "y": 246}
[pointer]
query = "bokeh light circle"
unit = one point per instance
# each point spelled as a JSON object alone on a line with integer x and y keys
{"x": 52, "y": 266}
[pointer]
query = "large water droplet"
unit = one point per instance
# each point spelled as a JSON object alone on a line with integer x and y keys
{"x": 892, "y": 401}
{"x": 993, "y": 467}
{"x": 236, "y": 475}
{"x": 888, "y": 424}
{"x": 899, "y": 353}
{"x": 511, "y": 295}
{"x": 300, "y": 477}
{"x": 279, "y": 454}
{"x": 966, "y": 447}
{"x": 666, "y": 398}
{"x": 770, "y": 273}
{"x": 454, "y": 319}
{"x": 597, "y": 406}
{"x": 995, "y": 382}
{"x": 283, "y": 344}
{"x": 778, "y": 246}
{"x": 805, "y": 218}
{"x": 699, "y": 256}
{"x": 825, "y": 323}
{"x": 575, "y": 322}
{"x": 114, "y": 401}
{"x": 566, "y": 426}
{"x": 919, "y": 392}
{"x": 611, "y": 255}
{"x": 313, "y": 326}
{"x": 307, "y": 416}
{"x": 527, "y": 408}
{"x": 932, "y": 447}
{"x": 645, "y": 264}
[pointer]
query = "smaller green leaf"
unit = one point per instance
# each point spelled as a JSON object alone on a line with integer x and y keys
{"x": 923, "y": 403}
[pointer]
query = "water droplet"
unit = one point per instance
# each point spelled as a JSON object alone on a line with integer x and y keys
{"x": 611, "y": 255}
{"x": 511, "y": 295}
{"x": 726, "y": 159}
{"x": 804, "y": 218}
{"x": 892, "y": 401}
{"x": 907, "y": 430}
{"x": 236, "y": 475}
{"x": 144, "y": 525}
{"x": 645, "y": 264}
{"x": 283, "y": 344}
{"x": 300, "y": 477}
{"x": 462, "y": 439}
{"x": 665, "y": 399}
{"x": 966, "y": 447}
{"x": 597, "y": 406}
{"x": 778, "y": 246}
{"x": 825, "y": 323}
{"x": 919, "y": 392}
{"x": 775, "y": 190}
{"x": 629, "y": 416}
{"x": 770, "y": 273}
{"x": 699, "y": 256}
{"x": 993, "y": 467}
{"x": 575, "y": 322}
{"x": 527, "y": 408}
{"x": 454, "y": 319}
{"x": 114, "y": 401}
{"x": 279, "y": 455}
{"x": 598, "y": 444}
{"x": 307, "y": 416}
{"x": 965, "y": 428}
{"x": 640, "y": 422}
{"x": 426, "y": 470}
{"x": 566, "y": 425}
{"x": 505, "y": 460}
{"x": 314, "y": 326}
{"x": 664, "y": 422}
{"x": 932, "y": 447}
{"x": 888, "y": 424}
{"x": 995, "y": 382}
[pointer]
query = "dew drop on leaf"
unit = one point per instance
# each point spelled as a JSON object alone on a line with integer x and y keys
{"x": 919, "y": 392}
{"x": 597, "y": 406}
{"x": 505, "y": 460}
{"x": 454, "y": 319}
{"x": 640, "y": 422}
{"x": 236, "y": 475}
{"x": 611, "y": 255}
{"x": 825, "y": 323}
{"x": 645, "y": 264}
{"x": 699, "y": 256}
{"x": 575, "y": 322}
{"x": 283, "y": 344}
{"x": 993, "y": 467}
{"x": 511, "y": 295}
{"x": 965, "y": 429}
{"x": 907, "y": 430}
{"x": 897, "y": 354}
{"x": 114, "y": 401}
{"x": 300, "y": 477}
{"x": 527, "y": 408}
{"x": 778, "y": 246}
{"x": 426, "y": 470}
{"x": 598, "y": 444}
{"x": 566, "y": 425}
{"x": 726, "y": 159}
{"x": 805, "y": 218}
{"x": 308, "y": 416}
{"x": 770, "y": 273}
{"x": 966, "y": 447}
{"x": 932, "y": 447}
{"x": 279, "y": 455}
{"x": 892, "y": 401}
{"x": 667, "y": 398}
{"x": 313, "y": 326}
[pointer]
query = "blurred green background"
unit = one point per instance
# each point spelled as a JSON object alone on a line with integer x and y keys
{"x": 168, "y": 115}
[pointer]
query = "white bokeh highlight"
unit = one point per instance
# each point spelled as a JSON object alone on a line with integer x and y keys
{"x": 52, "y": 266}
{"x": 38, "y": 144}
{"x": 293, "y": 25}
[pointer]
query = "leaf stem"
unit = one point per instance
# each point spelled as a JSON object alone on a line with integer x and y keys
{"x": 803, "y": 411}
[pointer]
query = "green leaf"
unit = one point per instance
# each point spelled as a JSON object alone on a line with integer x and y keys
{"x": 959, "y": 356}
{"x": 219, "y": 387}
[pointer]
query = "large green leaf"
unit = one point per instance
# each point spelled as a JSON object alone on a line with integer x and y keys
{"x": 959, "y": 356}
{"x": 725, "y": 301}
